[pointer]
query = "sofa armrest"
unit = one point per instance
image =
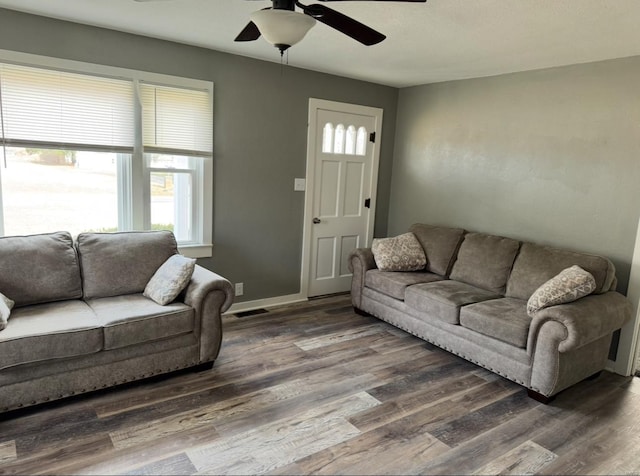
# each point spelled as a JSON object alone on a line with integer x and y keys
{"x": 203, "y": 282}
{"x": 360, "y": 261}
{"x": 583, "y": 321}
{"x": 210, "y": 295}
{"x": 363, "y": 258}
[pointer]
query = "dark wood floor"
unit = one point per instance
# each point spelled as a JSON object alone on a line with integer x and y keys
{"x": 315, "y": 388}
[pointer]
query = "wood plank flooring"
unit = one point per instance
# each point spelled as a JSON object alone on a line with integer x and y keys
{"x": 314, "y": 388}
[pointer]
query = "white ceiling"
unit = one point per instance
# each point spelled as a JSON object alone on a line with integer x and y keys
{"x": 437, "y": 41}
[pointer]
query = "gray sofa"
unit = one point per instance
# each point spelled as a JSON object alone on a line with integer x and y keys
{"x": 81, "y": 322}
{"x": 471, "y": 299}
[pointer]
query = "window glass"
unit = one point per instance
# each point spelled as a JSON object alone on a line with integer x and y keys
{"x": 327, "y": 138}
{"x": 361, "y": 141}
{"x": 173, "y": 191}
{"x": 350, "y": 148}
{"x": 46, "y": 190}
{"x": 171, "y": 203}
{"x": 339, "y": 140}
{"x": 164, "y": 161}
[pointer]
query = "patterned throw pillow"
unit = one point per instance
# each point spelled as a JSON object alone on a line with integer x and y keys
{"x": 6, "y": 305}
{"x": 567, "y": 286}
{"x": 170, "y": 278}
{"x": 400, "y": 253}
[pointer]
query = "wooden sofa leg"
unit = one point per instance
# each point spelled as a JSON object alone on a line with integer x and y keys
{"x": 360, "y": 312}
{"x": 594, "y": 376}
{"x": 538, "y": 397}
{"x": 203, "y": 367}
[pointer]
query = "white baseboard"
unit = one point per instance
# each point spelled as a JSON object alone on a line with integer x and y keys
{"x": 625, "y": 371}
{"x": 266, "y": 303}
{"x": 611, "y": 367}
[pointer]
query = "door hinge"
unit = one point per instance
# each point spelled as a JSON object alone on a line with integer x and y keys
{"x": 372, "y": 137}
{"x": 367, "y": 203}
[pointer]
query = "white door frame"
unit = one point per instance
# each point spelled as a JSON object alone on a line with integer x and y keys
{"x": 314, "y": 105}
{"x": 628, "y": 344}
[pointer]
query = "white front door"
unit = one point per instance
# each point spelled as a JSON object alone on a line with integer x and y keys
{"x": 342, "y": 168}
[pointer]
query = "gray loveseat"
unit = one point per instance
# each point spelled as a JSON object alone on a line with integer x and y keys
{"x": 471, "y": 299}
{"x": 81, "y": 322}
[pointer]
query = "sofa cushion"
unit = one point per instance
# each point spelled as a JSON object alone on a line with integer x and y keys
{"x": 133, "y": 319}
{"x": 6, "y": 305}
{"x": 569, "y": 285}
{"x": 394, "y": 283}
{"x": 398, "y": 253}
{"x": 170, "y": 279}
{"x": 49, "y": 331}
{"x": 122, "y": 263}
{"x": 39, "y": 268}
{"x": 536, "y": 264}
{"x": 485, "y": 261}
{"x": 443, "y": 299}
{"x": 440, "y": 244}
{"x": 504, "y": 319}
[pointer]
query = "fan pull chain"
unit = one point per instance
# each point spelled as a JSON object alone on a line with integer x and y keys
{"x": 283, "y": 61}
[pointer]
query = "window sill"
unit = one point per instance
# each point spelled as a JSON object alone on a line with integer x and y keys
{"x": 196, "y": 251}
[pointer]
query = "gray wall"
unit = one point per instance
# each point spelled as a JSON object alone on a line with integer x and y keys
{"x": 551, "y": 156}
{"x": 260, "y": 135}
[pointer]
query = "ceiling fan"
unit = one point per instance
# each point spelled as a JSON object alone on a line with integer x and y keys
{"x": 282, "y": 26}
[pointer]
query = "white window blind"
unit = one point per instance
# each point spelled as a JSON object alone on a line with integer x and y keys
{"x": 176, "y": 120}
{"x": 61, "y": 110}
{"x": 139, "y": 142}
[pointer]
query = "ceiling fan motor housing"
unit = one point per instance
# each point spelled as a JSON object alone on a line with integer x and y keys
{"x": 284, "y": 4}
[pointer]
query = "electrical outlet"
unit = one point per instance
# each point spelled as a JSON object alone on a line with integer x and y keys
{"x": 239, "y": 289}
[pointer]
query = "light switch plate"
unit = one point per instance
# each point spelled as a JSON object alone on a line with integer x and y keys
{"x": 299, "y": 184}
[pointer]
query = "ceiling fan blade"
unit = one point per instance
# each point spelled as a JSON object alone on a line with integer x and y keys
{"x": 249, "y": 33}
{"x": 344, "y": 24}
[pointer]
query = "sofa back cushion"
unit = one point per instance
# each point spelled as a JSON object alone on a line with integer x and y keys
{"x": 122, "y": 263}
{"x": 39, "y": 268}
{"x": 536, "y": 264}
{"x": 485, "y": 261}
{"x": 440, "y": 244}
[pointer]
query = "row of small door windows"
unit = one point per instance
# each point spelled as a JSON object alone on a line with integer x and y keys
{"x": 341, "y": 140}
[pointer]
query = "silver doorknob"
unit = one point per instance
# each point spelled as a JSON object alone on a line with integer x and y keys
{"x": 316, "y": 221}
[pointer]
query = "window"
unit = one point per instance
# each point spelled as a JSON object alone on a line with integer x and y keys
{"x": 177, "y": 138}
{"x": 344, "y": 141}
{"x": 104, "y": 150}
{"x": 173, "y": 186}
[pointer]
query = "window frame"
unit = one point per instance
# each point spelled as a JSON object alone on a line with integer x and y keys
{"x": 134, "y": 175}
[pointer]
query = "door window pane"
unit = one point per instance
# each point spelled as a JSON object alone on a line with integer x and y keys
{"x": 350, "y": 148}
{"x": 339, "y": 140}
{"x": 327, "y": 138}
{"x": 361, "y": 141}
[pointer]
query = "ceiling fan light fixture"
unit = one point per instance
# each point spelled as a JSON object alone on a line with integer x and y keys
{"x": 282, "y": 28}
